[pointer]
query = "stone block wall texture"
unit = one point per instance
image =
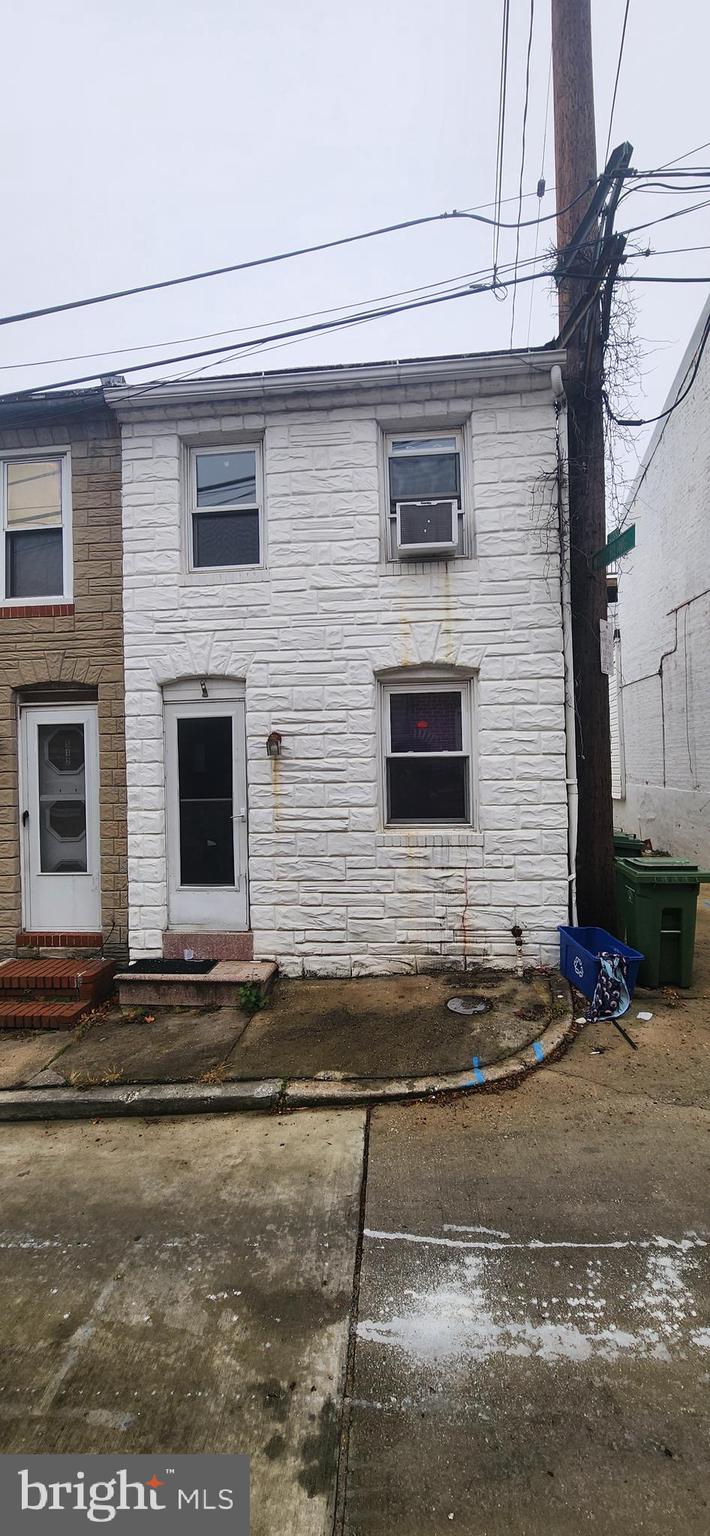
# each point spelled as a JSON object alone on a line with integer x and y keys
{"x": 76, "y": 644}
{"x": 664, "y": 620}
{"x": 332, "y": 890}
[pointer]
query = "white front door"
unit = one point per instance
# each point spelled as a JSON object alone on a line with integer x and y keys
{"x": 59, "y": 811}
{"x": 207, "y": 814}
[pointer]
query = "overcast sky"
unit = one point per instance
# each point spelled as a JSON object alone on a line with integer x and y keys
{"x": 148, "y": 138}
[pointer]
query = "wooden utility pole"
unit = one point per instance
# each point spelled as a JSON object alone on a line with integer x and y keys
{"x": 575, "y": 171}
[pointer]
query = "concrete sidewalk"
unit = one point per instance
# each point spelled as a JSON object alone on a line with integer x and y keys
{"x": 316, "y": 1042}
{"x": 349, "y": 1043}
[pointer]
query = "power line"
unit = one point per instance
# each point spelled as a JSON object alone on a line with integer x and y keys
{"x": 235, "y": 330}
{"x": 256, "y": 343}
{"x": 687, "y": 155}
{"x": 663, "y": 415}
{"x": 522, "y": 160}
{"x": 677, "y": 214}
{"x": 616, "y": 81}
{"x": 263, "y": 261}
{"x": 675, "y": 250}
{"x": 541, "y": 183}
{"x": 348, "y": 319}
{"x": 654, "y": 188}
{"x": 638, "y": 278}
{"x": 118, "y": 352}
{"x": 241, "y": 266}
{"x": 500, "y": 139}
{"x": 307, "y": 330}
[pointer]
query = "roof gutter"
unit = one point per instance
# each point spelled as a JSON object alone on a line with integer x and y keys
{"x": 127, "y": 397}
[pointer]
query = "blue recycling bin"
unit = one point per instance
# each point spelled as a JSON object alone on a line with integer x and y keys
{"x": 579, "y": 957}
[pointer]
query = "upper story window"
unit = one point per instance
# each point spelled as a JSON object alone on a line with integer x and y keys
{"x": 425, "y": 498}
{"x": 427, "y": 752}
{"x": 35, "y": 513}
{"x": 225, "y": 506}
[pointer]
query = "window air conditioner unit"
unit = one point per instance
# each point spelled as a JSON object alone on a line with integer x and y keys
{"x": 427, "y": 528}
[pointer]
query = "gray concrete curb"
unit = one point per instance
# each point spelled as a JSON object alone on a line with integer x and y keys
{"x": 275, "y": 1093}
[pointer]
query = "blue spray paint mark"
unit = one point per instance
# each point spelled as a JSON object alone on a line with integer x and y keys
{"x": 538, "y": 1051}
{"x": 478, "y": 1075}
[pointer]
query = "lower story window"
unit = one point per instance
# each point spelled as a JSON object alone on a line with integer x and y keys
{"x": 428, "y": 754}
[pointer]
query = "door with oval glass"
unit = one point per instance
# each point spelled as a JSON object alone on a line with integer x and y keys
{"x": 59, "y": 808}
{"x": 207, "y": 815}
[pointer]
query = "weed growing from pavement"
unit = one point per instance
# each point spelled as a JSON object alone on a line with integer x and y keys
{"x": 250, "y": 998}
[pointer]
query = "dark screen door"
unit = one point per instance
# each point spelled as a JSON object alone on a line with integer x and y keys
{"x": 206, "y": 800}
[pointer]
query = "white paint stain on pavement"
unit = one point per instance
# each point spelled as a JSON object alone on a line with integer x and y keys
{"x": 486, "y": 1304}
{"x": 683, "y": 1245}
{"x": 450, "y": 1226}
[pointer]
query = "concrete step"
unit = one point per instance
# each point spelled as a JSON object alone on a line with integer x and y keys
{"x": 218, "y": 988}
{"x": 39, "y": 1014}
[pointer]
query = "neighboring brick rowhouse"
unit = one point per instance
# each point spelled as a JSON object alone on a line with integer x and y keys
{"x": 332, "y": 890}
{"x": 77, "y": 645}
{"x": 664, "y": 620}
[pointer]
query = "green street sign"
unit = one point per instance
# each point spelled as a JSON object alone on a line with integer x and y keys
{"x": 619, "y": 544}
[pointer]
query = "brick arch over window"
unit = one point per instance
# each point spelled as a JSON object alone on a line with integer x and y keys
{"x": 66, "y": 672}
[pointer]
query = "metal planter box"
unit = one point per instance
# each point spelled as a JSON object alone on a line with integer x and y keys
{"x": 579, "y": 951}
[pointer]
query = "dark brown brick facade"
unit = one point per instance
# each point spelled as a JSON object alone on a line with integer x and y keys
{"x": 74, "y": 648}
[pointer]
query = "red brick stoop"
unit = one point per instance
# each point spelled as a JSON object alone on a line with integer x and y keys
{"x": 52, "y": 993}
{"x": 52, "y": 939}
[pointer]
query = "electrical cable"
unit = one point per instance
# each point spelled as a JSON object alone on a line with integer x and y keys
{"x": 625, "y": 277}
{"x": 307, "y": 330}
{"x": 616, "y": 81}
{"x": 118, "y": 352}
{"x": 522, "y": 161}
{"x": 254, "y": 343}
{"x": 663, "y": 415}
{"x": 675, "y": 250}
{"x": 687, "y": 155}
{"x": 677, "y": 214}
{"x": 305, "y": 250}
{"x": 541, "y": 185}
{"x": 500, "y": 138}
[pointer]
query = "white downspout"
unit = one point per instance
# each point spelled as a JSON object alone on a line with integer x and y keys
{"x": 566, "y": 603}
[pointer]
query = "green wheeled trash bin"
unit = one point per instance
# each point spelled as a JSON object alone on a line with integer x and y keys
{"x": 627, "y": 845}
{"x": 658, "y": 899}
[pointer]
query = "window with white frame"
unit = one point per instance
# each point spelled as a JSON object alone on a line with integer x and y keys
{"x": 225, "y": 512}
{"x": 35, "y": 514}
{"x": 427, "y": 753}
{"x": 425, "y": 494}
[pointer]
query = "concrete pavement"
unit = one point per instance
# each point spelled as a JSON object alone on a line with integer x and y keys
{"x": 490, "y": 1314}
{"x": 181, "y": 1286}
{"x": 533, "y": 1342}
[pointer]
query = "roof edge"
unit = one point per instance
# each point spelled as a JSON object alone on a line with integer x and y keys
{"x": 333, "y": 377}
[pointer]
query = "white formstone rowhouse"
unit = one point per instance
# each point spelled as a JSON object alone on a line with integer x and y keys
{"x": 663, "y": 657}
{"x": 309, "y": 643}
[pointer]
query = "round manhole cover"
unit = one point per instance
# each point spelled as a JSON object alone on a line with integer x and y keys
{"x": 470, "y": 1004}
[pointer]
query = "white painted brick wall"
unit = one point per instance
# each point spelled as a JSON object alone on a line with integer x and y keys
{"x": 332, "y": 890}
{"x": 664, "y": 613}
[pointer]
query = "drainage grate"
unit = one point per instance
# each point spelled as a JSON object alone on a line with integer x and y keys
{"x": 169, "y": 967}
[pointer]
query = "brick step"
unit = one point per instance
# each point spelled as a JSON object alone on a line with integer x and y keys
{"x": 15, "y": 1014}
{"x": 218, "y": 988}
{"x": 90, "y": 981}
